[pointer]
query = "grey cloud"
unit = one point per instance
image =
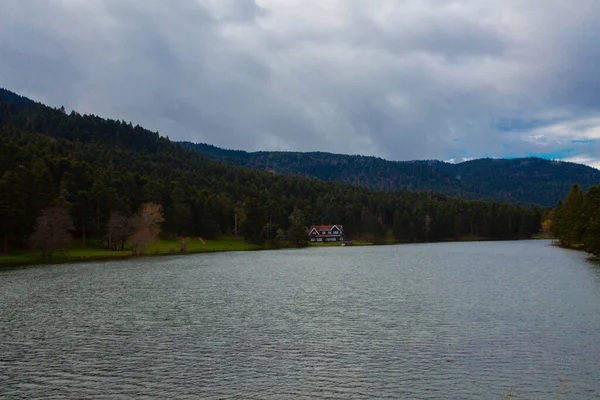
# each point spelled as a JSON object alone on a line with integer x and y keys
{"x": 409, "y": 80}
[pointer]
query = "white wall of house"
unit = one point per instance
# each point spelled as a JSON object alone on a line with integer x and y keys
{"x": 334, "y": 231}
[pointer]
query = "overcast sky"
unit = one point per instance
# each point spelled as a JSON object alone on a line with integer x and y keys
{"x": 423, "y": 79}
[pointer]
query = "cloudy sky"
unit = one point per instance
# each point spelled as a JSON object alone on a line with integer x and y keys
{"x": 422, "y": 79}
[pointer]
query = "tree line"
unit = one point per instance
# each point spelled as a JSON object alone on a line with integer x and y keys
{"x": 576, "y": 221}
{"x": 99, "y": 174}
{"x": 517, "y": 180}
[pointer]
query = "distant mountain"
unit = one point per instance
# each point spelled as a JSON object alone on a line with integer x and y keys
{"x": 516, "y": 180}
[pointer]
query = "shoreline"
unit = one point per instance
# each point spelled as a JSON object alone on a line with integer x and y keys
{"x": 579, "y": 247}
{"x": 83, "y": 254}
{"x": 576, "y": 247}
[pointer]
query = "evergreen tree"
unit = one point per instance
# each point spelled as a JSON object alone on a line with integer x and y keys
{"x": 592, "y": 235}
{"x": 575, "y": 218}
{"x": 253, "y": 221}
{"x": 297, "y": 231}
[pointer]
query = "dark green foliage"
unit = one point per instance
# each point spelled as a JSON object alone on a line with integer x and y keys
{"x": 14, "y": 98}
{"x": 519, "y": 180}
{"x": 577, "y": 221}
{"x": 297, "y": 232}
{"x": 97, "y": 166}
{"x": 592, "y": 236}
{"x": 570, "y": 219}
{"x": 403, "y": 228}
{"x": 253, "y": 222}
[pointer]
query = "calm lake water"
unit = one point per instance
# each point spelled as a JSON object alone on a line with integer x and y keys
{"x": 427, "y": 321}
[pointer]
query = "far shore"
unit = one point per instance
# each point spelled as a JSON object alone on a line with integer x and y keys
{"x": 98, "y": 252}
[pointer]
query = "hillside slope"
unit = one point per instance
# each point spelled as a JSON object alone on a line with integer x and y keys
{"x": 95, "y": 167}
{"x": 518, "y": 180}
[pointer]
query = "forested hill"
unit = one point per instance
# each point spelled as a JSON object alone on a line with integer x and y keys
{"x": 518, "y": 180}
{"x": 93, "y": 168}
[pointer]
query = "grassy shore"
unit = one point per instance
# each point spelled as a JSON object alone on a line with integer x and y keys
{"x": 162, "y": 247}
{"x": 575, "y": 246}
{"x": 93, "y": 252}
{"x": 334, "y": 244}
{"x": 96, "y": 252}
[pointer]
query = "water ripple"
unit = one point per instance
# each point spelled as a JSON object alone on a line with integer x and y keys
{"x": 441, "y": 321}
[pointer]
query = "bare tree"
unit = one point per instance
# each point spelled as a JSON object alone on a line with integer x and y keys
{"x": 140, "y": 239}
{"x": 183, "y": 244}
{"x": 118, "y": 230}
{"x": 151, "y": 215}
{"x": 52, "y": 231}
{"x": 146, "y": 226}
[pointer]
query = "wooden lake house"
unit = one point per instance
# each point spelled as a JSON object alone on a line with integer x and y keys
{"x": 326, "y": 233}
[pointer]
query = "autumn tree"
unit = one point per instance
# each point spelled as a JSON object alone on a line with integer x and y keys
{"x": 52, "y": 231}
{"x": 546, "y": 228}
{"x": 118, "y": 230}
{"x": 146, "y": 226}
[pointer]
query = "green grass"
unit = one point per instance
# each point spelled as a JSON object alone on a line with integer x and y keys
{"x": 160, "y": 247}
{"x": 333, "y": 244}
{"x": 543, "y": 236}
{"x": 72, "y": 255}
{"x": 364, "y": 243}
{"x": 94, "y": 251}
{"x": 196, "y": 245}
{"x": 15, "y": 258}
{"x": 324, "y": 244}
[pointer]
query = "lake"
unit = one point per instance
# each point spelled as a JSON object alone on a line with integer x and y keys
{"x": 423, "y": 321}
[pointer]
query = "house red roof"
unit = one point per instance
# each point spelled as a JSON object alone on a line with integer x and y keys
{"x": 326, "y": 227}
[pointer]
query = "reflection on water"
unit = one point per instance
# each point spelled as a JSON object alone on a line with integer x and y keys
{"x": 430, "y": 321}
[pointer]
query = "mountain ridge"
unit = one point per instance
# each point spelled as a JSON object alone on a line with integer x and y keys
{"x": 524, "y": 180}
{"x": 533, "y": 181}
